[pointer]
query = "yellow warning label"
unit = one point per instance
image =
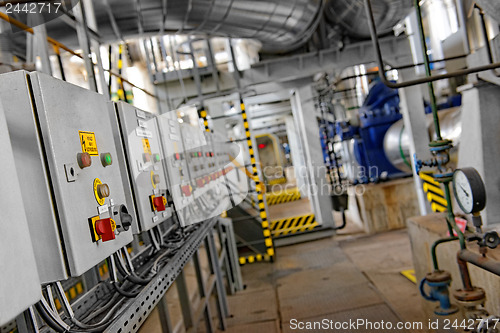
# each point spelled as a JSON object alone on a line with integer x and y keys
{"x": 93, "y": 220}
{"x": 113, "y": 224}
{"x": 88, "y": 142}
{"x": 100, "y": 200}
{"x": 152, "y": 181}
{"x": 146, "y": 146}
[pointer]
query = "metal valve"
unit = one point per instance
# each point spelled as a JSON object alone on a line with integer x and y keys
{"x": 491, "y": 239}
{"x": 438, "y": 281}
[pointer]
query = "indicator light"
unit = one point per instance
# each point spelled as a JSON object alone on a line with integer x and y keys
{"x": 156, "y": 158}
{"x": 199, "y": 154}
{"x": 106, "y": 159}
{"x": 177, "y": 156}
{"x": 84, "y": 160}
{"x": 262, "y": 145}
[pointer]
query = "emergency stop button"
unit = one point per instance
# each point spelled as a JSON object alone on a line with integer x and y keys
{"x": 105, "y": 228}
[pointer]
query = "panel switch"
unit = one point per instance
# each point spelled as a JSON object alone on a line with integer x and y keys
{"x": 158, "y": 203}
{"x": 105, "y": 228}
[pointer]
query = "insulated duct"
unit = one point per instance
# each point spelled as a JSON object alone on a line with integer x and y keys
{"x": 279, "y": 25}
{"x": 350, "y": 14}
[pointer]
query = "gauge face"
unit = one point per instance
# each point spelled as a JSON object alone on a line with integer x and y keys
{"x": 469, "y": 190}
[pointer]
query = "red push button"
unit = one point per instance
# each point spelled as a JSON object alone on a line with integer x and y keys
{"x": 186, "y": 189}
{"x": 159, "y": 203}
{"x": 84, "y": 160}
{"x": 200, "y": 183}
{"x": 104, "y": 228}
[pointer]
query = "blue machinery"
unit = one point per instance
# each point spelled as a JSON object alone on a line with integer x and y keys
{"x": 378, "y": 113}
{"x": 378, "y": 147}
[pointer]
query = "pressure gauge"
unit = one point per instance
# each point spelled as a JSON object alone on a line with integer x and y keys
{"x": 469, "y": 190}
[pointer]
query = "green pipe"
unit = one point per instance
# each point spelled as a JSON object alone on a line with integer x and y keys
{"x": 451, "y": 217}
{"x": 434, "y": 248}
{"x": 428, "y": 71}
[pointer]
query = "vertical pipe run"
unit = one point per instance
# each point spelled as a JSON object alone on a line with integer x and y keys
{"x": 428, "y": 71}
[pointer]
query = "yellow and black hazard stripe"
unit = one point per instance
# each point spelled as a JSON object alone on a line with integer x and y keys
{"x": 275, "y": 198}
{"x": 276, "y": 181}
{"x": 203, "y": 115}
{"x": 254, "y": 258}
{"x": 259, "y": 187}
{"x": 122, "y": 94}
{"x": 293, "y": 225}
{"x": 435, "y": 194}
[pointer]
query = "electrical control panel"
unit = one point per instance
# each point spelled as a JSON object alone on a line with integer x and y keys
{"x": 71, "y": 183}
{"x": 19, "y": 281}
{"x": 141, "y": 158}
{"x": 203, "y": 178}
{"x": 176, "y": 162}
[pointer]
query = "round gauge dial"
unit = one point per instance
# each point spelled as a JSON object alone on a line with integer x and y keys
{"x": 469, "y": 190}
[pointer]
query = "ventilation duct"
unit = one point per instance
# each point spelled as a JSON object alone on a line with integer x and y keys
{"x": 279, "y": 25}
{"x": 350, "y": 15}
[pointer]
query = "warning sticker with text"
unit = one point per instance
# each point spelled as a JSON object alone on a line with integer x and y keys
{"x": 146, "y": 146}
{"x": 88, "y": 142}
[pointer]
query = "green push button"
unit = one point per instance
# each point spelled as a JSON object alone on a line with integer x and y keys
{"x": 106, "y": 159}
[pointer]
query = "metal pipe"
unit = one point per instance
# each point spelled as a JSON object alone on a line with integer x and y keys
{"x": 381, "y": 65}
{"x": 434, "y": 250}
{"x": 464, "y": 272}
{"x": 428, "y": 73}
{"x": 488, "y": 264}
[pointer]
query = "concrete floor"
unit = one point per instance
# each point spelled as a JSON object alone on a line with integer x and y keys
{"x": 350, "y": 276}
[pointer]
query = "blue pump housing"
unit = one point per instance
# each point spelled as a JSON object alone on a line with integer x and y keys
{"x": 377, "y": 114}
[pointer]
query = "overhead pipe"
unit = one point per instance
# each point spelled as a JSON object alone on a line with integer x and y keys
{"x": 381, "y": 64}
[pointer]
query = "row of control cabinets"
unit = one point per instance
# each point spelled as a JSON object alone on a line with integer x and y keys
{"x": 83, "y": 175}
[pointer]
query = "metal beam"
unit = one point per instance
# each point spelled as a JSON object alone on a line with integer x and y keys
{"x": 294, "y": 67}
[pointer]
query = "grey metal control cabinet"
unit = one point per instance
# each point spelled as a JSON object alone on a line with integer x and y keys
{"x": 142, "y": 159}
{"x": 176, "y": 162}
{"x": 19, "y": 282}
{"x": 72, "y": 187}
